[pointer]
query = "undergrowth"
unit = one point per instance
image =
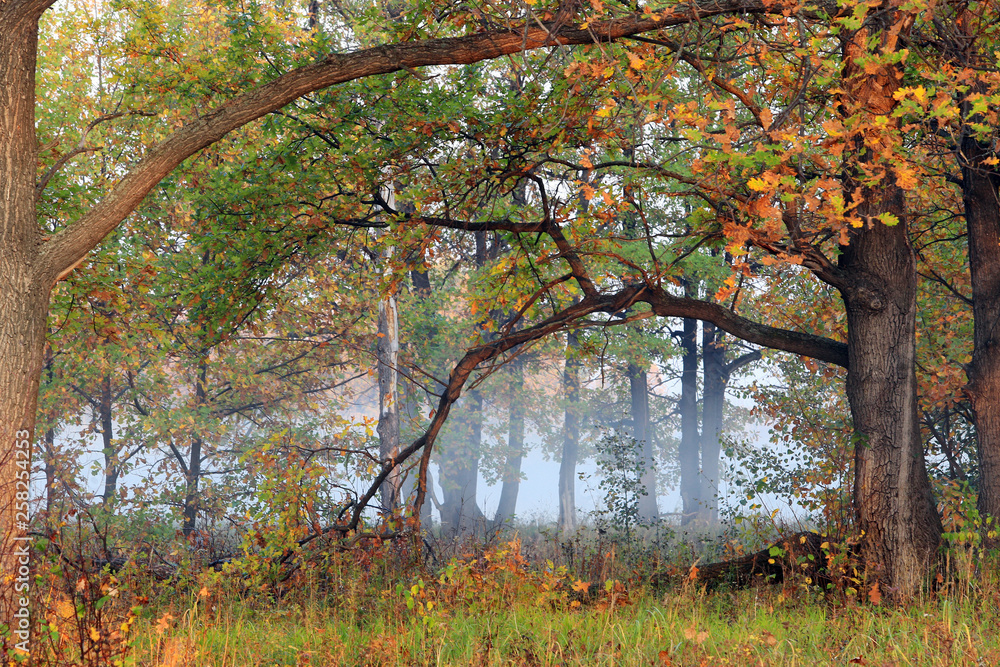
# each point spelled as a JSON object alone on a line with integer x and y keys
{"x": 521, "y": 599}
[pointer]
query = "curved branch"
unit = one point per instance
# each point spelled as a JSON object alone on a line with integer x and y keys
{"x": 65, "y": 249}
{"x": 796, "y": 342}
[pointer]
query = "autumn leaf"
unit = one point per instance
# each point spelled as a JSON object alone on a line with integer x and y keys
{"x": 694, "y": 635}
{"x": 874, "y": 594}
{"x": 163, "y": 623}
{"x": 581, "y": 586}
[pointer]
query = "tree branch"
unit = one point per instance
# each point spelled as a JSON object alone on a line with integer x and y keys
{"x": 65, "y": 249}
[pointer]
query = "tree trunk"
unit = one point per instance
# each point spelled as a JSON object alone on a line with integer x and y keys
{"x": 980, "y": 193}
{"x": 571, "y": 436}
{"x": 638, "y": 381}
{"x": 689, "y": 454}
{"x": 713, "y": 354}
{"x": 892, "y": 495}
{"x": 515, "y": 447}
{"x": 459, "y": 470}
{"x": 23, "y": 298}
{"x": 111, "y": 471}
{"x": 388, "y": 392}
{"x": 191, "y": 494}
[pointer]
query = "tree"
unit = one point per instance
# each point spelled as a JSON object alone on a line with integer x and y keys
{"x": 33, "y": 262}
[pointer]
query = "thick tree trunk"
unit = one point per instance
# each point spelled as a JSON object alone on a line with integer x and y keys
{"x": 638, "y": 381}
{"x": 689, "y": 453}
{"x": 892, "y": 494}
{"x": 23, "y": 299}
{"x": 515, "y": 447}
{"x": 459, "y": 468}
{"x": 713, "y": 355}
{"x": 571, "y": 435}
{"x": 981, "y": 196}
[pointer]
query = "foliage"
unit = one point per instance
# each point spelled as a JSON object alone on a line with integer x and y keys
{"x": 501, "y": 607}
{"x": 622, "y": 466}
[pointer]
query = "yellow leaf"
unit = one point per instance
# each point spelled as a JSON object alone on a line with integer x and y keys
{"x": 634, "y": 61}
{"x": 906, "y": 178}
{"x": 94, "y": 634}
{"x": 758, "y": 185}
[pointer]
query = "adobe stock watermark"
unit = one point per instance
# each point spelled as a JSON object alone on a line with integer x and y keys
{"x": 21, "y": 624}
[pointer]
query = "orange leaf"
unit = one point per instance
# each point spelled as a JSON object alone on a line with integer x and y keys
{"x": 874, "y": 595}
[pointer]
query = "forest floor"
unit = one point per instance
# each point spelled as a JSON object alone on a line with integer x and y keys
{"x": 533, "y": 601}
{"x": 495, "y": 606}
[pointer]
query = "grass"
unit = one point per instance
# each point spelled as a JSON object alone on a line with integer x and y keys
{"x": 498, "y": 609}
{"x": 540, "y": 604}
{"x": 757, "y": 627}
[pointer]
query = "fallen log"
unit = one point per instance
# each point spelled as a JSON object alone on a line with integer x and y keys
{"x": 802, "y": 556}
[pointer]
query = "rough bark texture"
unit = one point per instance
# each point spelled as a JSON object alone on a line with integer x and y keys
{"x": 23, "y": 298}
{"x": 638, "y": 381}
{"x": 800, "y": 555}
{"x": 981, "y": 196}
{"x": 571, "y": 435}
{"x": 892, "y": 494}
{"x": 689, "y": 453}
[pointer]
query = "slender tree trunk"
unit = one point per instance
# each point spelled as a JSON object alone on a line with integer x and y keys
{"x": 422, "y": 290}
{"x": 689, "y": 453}
{"x": 388, "y": 393}
{"x": 892, "y": 493}
{"x": 515, "y": 446}
{"x": 191, "y": 494}
{"x": 638, "y": 381}
{"x": 571, "y": 435}
{"x": 111, "y": 471}
{"x": 713, "y": 355}
{"x": 981, "y": 196}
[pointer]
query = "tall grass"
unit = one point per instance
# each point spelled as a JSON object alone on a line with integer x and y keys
{"x": 541, "y": 602}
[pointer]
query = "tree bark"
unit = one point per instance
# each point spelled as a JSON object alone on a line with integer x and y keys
{"x": 388, "y": 393}
{"x": 981, "y": 198}
{"x": 193, "y": 476}
{"x": 111, "y": 471}
{"x": 689, "y": 453}
{"x": 713, "y": 354}
{"x": 892, "y": 494}
{"x": 638, "y": 381}
{"x": 23, "y": 297}
{"x": 571, "y": 435}
{"x": 459, "y": 475}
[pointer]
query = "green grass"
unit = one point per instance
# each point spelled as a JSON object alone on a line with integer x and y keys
{"x": 680, "y": 628}
{"x": 376, "y": 605}
{"x": 498, "y": 609}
